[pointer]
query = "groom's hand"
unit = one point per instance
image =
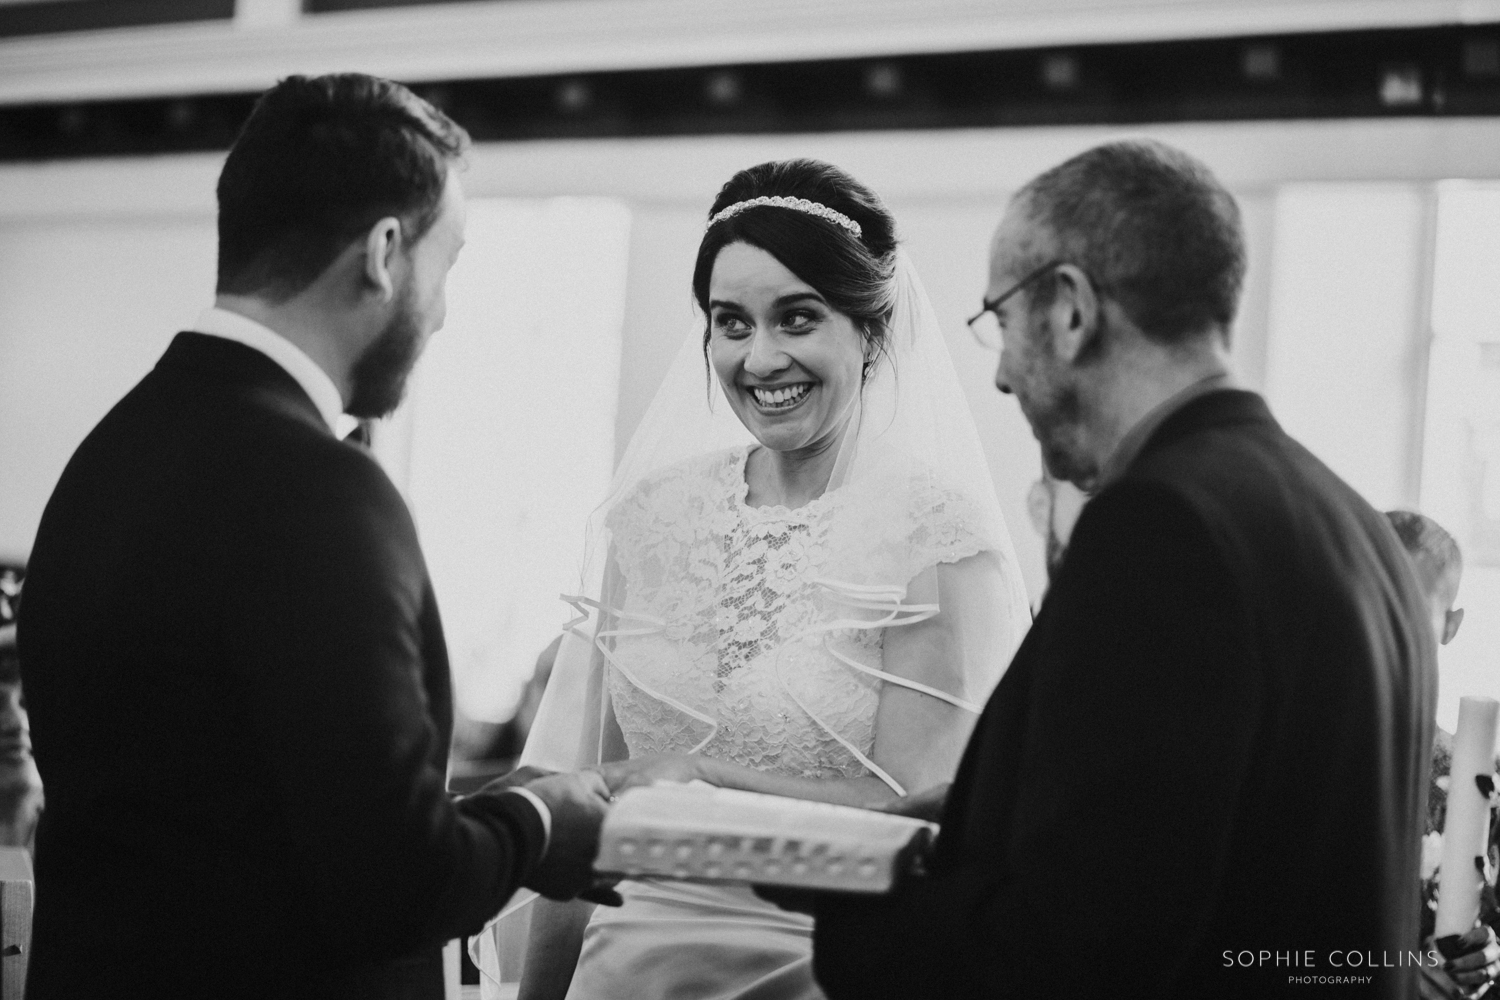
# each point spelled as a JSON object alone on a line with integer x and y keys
{"x": 578, "y": 802}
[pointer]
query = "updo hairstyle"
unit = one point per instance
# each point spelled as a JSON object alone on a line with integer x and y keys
{"x": 856, "y": 274}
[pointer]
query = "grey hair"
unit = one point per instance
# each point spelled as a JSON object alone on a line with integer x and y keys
{"x": 1152, "y": 227}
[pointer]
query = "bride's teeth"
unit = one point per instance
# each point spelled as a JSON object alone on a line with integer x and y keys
{"x": 779, "y": 397}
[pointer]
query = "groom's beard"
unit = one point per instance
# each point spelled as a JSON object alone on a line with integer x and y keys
{"x": 380, "y": 374}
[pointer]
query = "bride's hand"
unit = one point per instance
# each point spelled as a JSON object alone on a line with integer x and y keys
{"x": 651, "y": 768}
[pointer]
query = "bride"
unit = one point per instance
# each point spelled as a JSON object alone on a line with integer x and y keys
{"x": 804, "y": 585}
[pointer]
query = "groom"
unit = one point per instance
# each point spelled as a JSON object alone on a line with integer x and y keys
{"x": 1203, "y": 774}
{"x": 233, "y": 659}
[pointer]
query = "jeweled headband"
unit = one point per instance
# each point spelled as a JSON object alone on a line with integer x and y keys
{"x": 796, "y": 205}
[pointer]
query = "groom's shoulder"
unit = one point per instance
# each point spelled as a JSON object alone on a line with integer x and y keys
{"x": 254, "y": 438}
{"x": 299, "y": 463}
{"x": 309, "y": 490}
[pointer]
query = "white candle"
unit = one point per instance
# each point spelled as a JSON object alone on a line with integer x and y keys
{"x": 1466, "y": 830}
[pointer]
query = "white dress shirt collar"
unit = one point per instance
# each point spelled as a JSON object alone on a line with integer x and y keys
{"x": 314, "y": 381}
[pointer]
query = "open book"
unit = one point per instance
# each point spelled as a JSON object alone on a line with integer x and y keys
{"x": 697, "y": 832}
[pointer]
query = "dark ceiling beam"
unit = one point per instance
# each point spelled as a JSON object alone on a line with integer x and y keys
{"x": 1435, "y": 71}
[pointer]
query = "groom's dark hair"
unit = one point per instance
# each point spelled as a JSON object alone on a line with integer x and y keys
{"x": 319, "y": 161}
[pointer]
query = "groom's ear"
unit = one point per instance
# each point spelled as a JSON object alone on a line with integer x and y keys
{"x": 382, "y": 243}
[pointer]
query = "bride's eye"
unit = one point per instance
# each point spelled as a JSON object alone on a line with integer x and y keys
{"x": 731, "y": 326}
{"x": 799, "y": 321}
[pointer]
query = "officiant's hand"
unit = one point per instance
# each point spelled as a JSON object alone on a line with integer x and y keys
{"x": 925, "y": 805}
{"x": 577, "y": 802}
{"x": 650, "y": 768}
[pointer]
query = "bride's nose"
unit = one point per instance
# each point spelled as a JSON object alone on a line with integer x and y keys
{"x": 765, "y": 356}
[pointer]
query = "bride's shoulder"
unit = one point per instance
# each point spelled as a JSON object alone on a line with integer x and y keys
{"x": 915, "y": 489}
{"x": 922, "y": 517}
{"x": 710, "y": 471}
{"x": 696, "y": 484}
{"x": 933, "y": 497}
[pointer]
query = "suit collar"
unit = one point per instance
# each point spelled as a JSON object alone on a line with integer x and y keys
{"x": 313, "y": 379}
{"x": 236, "y": 363}
{"x": 1217, "y": 408}
{"x": 1135, "y": 439}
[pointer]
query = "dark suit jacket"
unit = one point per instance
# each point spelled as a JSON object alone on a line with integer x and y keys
{"x": 1206, "y": 764}
{"x": 240, "y": 704}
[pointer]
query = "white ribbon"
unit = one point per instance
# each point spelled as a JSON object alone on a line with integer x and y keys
{"x": 659, "y": 625}
{"x": 889, "y": 599}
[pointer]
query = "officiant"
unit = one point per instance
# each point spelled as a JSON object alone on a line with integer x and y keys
{"x": 1214, "y": 741}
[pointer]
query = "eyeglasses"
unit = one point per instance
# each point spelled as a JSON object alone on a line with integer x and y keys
{"x": 985, "y": 324}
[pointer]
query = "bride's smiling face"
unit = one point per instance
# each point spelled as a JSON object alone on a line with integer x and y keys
{"x": 789, "y": 362}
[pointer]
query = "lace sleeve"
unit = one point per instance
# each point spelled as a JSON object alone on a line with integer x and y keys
{"x": 948, "y": 559}
{"x": 907, "y": 524}
{"x": 658, "y": 525}
{"x": 944, "y": 526}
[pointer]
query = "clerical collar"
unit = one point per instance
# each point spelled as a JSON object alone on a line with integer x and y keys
{"x": 1135, "y": 439}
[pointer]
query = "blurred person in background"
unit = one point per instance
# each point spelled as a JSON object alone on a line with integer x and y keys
{"x": 1472, "y": 962}
{"x": 10, "y": 592}
{"x": 1440, "y": 568}
{"x": 21, "y": 800}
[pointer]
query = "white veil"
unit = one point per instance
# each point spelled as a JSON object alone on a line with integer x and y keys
{"x": 916, "y": 493}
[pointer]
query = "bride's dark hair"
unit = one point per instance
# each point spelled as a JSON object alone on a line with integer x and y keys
{"x": 856, "y": 274}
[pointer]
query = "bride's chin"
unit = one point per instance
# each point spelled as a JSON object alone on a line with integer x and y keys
{"x": 781, "y": 440}
{"x": 766, "y": 425}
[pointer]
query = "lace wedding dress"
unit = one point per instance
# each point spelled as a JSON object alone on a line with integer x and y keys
{"x": 740, "y": 651}
{"x": 756, "y": 634}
